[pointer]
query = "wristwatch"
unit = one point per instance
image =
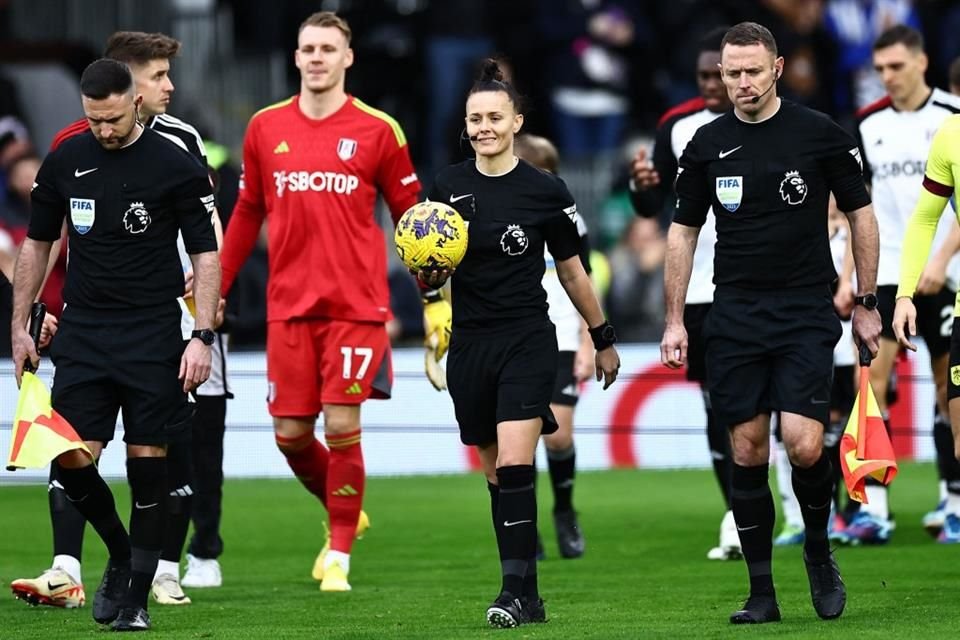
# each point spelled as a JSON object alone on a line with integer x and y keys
{"x": 603, "y": 336}
{"x": 868, "y": 301}
{"x": 206, "y": 336}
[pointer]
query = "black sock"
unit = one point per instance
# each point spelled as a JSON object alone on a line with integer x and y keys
{"x": 68, "y": 524}
{"x": 529, "y": 589}
{"x": 831, "y": 451}
{"x": 179, "y": 501}
{"x": 563, "y": 468}
{"x": 947, "y": 466}
{"x": 148, "y": 489}
{"x": 718, "y": 438}
{"x": 517, "y": 524}
{"x": 91, "y": 496}
{"x": 753, "y": 510}
{"x": 813, "y": 487}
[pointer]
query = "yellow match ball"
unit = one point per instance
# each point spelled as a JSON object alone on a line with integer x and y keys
{"x": 431, "y": 235}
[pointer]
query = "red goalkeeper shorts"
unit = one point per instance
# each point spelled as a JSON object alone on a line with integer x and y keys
{"x": 313, "y": 362}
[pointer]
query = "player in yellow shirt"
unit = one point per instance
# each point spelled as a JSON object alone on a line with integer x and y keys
{"x": 940, "y": 182}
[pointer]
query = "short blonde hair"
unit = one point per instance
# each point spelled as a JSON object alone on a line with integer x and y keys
{"x": 538, "y": 151}
{"x": 327, "y": 19}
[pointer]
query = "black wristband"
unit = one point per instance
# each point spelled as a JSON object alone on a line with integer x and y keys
{"x": 431, "y": 295}
{"x": 603, "y": 336}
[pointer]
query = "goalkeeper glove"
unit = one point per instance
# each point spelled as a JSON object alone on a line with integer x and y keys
{"x": 437, "y": 323}
{"x": 436, "y": 374}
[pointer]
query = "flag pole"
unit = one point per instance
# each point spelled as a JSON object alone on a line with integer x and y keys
{"x": 37, "y": 313}
{"x": 863, "y": 400}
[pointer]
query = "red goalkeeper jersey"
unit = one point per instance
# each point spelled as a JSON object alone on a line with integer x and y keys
{"x": 316, "y": 182}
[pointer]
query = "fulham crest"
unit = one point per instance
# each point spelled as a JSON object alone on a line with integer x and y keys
{"x": 514, "y": 241}
{"x": 793, "y": 189}
{"x": 136, "y": 219}
{"x": 346, "y": 148}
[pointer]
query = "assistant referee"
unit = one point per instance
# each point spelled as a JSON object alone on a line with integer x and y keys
{"x": 128, "y": 192}
{"x": 767, "y": 168}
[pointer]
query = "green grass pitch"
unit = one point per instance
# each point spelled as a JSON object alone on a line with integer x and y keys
{"x": 428, "y": 567}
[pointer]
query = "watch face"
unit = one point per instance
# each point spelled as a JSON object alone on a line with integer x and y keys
{"x": 609, "y": 334}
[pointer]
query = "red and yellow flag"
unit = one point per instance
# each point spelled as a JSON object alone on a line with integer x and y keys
{"x": 865, "y": 449}
{"x": 40, "y": 434}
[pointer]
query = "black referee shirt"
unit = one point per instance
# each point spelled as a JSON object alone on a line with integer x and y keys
{"x": 124, "y": 208}
{"x": 511, "y": 218}
{"x": 769, "y": 184}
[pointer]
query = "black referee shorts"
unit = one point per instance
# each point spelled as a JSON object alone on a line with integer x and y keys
{"x": 934, "y": 317}
{"x": 127, "y": 361}
{"x": 501, "y": 377}
{"x": 694, "y": 317}
{"x": 770, "y": 351}
{"x": 566, "y": 391}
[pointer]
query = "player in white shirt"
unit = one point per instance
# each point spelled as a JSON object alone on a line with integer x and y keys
{"x": 651, "y": 189}
{"x": 574, "y": 365}
{"x": 895, "y": 135}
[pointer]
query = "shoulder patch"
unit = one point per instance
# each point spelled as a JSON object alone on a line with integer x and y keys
{"x": 382, "y": 115}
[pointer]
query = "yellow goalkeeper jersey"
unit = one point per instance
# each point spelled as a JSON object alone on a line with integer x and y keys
{"x": 940, "y": 180}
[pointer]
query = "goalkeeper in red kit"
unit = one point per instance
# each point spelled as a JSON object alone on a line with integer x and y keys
{"x": 312, "y": 167}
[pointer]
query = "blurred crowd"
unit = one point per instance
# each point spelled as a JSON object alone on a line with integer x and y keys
{"x": 597, "y": 75}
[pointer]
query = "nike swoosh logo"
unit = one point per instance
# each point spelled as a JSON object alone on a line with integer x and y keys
{"x": 724, "y": 154}
{"x": 454, "y": 198}
{"x": 747, "y": 528}
{"x": 145, "y": 506}
{"x": 507, "y": 523}
{"x": 529, "y": 406}
{"x": 815, "y": 401}
{"x": 79, "y": 174}
{"x": 54, "y": 587}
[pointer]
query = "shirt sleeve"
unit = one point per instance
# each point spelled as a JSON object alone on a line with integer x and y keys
{"x": 938, "y": 186}
{"x": 248, "y": 213}
{"x": 693, "y": 189}
{"x": 842, "y": 166}
{"x": 195, "y": 211}
{"x": 561, "y": 231}
{"x": 47, "y": 205}
{"x": 396, "y": 177}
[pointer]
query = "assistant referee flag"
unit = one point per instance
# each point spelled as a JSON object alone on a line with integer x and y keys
{"x": 40, "y": 434}
{"x": 865, "y": 449}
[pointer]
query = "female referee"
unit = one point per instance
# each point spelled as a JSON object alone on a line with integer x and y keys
{"x": 503, "y": 351}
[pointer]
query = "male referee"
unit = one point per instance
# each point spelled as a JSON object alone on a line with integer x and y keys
{"x": 767, "y": 168}
{"x": 128, "y": 192}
